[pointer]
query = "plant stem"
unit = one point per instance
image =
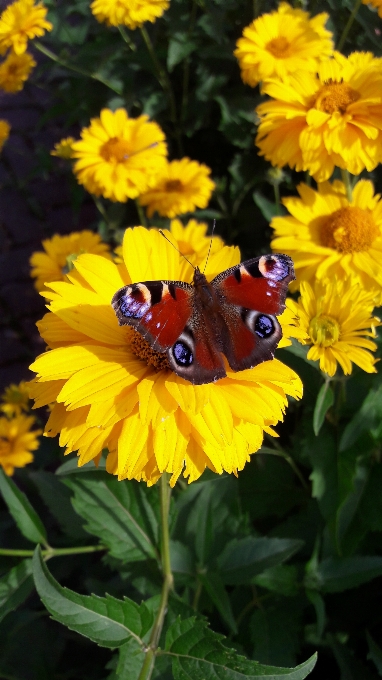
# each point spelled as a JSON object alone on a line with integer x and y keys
{"x": 186, "y": 66}
{"x": 276, "y": 190}
{"x": 346, "y": 180}
{"x": 76, "y": 69}
{"x": 52, "y": 552}
{"x": 279, "y": 451}
{"x": 126, "y": 38}
{"x": 141, "y": 213}
{"x": 347, "y": 28}
{"x": 148, "y": 664}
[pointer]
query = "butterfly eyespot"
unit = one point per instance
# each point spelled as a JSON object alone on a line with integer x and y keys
{"x": 264, "y": 326}
{"x": 182, "y": 354}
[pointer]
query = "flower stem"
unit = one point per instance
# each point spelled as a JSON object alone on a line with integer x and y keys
{"x": 141, "y": 213}
{"x": 52, "y": 552}
{"x": 348, "y": 26}
{"x": 126, "y": 38}
{"x": 346, "y": 180}
{"x": 148, "y": 664}
{"x": 51, "y": 55}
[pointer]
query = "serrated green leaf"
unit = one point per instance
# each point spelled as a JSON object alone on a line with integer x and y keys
{"x": 198, "y": 654}
{"x": 279, "y": 579}
{"x": 242, "y": 559}
{"x": 325, "y": 399}
{"x": 15, "y": 586}
{"x": 375, "y": 653}
{"x": 213, "y": 584}
{"x": 22, "y": 512}
{"x": 105, "y": 620}
{"x": 120, "y": 513}
{"x": 334, "y": 575}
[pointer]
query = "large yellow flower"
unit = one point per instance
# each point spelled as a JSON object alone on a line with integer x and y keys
{"x": 14, "y": 71}
{"x": 21, "y": 21}
{"x": 337, "y": 318}
{"x": 17, "y": 440}
{"x": 181, "y": 187}
{"x": 119, "y": 157}
{"x": 5, "y": 129}
{"x": 318, "y": 121}
{"x": 131, "y": 13}
{"x": 60, "y": 252}
{"x": 327, "y": 236}
{"x": 111, "y": 390}
{"x": 282, "y": 42}
{"x": 15, "y": 399}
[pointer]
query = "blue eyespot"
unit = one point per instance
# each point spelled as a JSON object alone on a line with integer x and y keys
{"x": 264, "y": 326}
{"x": 182, "y": 354}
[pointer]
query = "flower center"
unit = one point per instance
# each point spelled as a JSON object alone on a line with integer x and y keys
{"x": 279, "y": 47}
{"x": 334, "y": 97}
{"x": 115, "y": 150}
{"x": 174, "y": 185}
{"x": 349, "y": 230}
{"x": 141, "y": 348}
{"x": 324, "y": 330}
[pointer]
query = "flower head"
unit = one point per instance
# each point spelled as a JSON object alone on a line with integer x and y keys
{"x": 64, "y": 148}
{"x": 131, "y": 13}
{"x": 112, "y": 390}
{"x": 60, "y": 253}
{"x": 5, "y": 129}
{"x": 315, "y": 122}
{"x": 181, "y": 187}
{"x": 282, "y": 42}
{"x": 337, "y": 318}
{"x": 21, "y": 21}
{"x": 327, "y": 236}
{"x": 17, "y": 440}
{"x": 119, "y": 157}
{"x": 14, "y": 71}
{"x": 15, "y": 399}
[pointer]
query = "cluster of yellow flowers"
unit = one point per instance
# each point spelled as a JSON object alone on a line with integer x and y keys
{"x": 17, "y": 437}
{"x": 323, "y": 111}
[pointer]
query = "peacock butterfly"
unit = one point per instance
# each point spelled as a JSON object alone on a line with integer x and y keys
{"x": 234, "y": 314}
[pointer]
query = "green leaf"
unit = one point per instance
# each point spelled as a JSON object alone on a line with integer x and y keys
{"x": 105, "y": 620}
{"x": 375, "y": 653}
{"x": 267, "y": 208}
{"x": 198, "y": 652}
{"x": 120, "y": 513}
{"x": 21, "y": 510}
{"x": 368, "y": 417}
{"x": 325, "y": 399}
{"x": 57, "y": 498}
{"x": 213, "y": 584}
{"x": 15, "y": 587}
{"x": 242, "y": 559}
{"x": 181, "y": 558}
{"x": 276, "y": 630}
{"x": 180, "y": 46}
{"x": 279, "y": 579}
{"x": 334, "y": 575}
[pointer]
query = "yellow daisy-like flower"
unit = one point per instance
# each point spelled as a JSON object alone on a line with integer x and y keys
{"x": 315, "y": 122}
{"x": 64, "y": 148}
{"x": 327, "y": 236}
{"x": 60, "y": 253}
{"x": 131, "y": 13}
{"x": 337, "y": 318}
{"x": 21, "y": 21}
{"x": 119, "y": 157}
{"x": 111, "y": 390}
{"x": 282, "y": 42}
{"x": 181, "y": 187}
{"x": 17, "y": 440}
{"x": 377, "y": 4}
{"x": 5, "y": 129}
{"x": 14, "y": 71}
{"x": 15, "y": 399}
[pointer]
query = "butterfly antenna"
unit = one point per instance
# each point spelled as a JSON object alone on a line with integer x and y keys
{"x": 177, "y": 249}
{"x": 209, "y": 249}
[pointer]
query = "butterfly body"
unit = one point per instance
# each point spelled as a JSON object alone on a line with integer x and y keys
{"x": 196, "y": 324}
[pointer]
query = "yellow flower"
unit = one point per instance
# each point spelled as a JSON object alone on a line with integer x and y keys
{"x": 63, "y": 148}
{"x": 327, "y": 236}
{"x": 337, "y": 318}
{"x": 14, "y": 71}
{"x": 60, "y": 252}
{"x": 282, "y": 42}
{"x": 315, "y": 122}
{"x": 15, "y": 399}
{"x": 5, "y": 129}
{"x": 119, "y": 157}
{"x": 374, "y": 3}
{"x": 17, "y": 440}
{"x": 181, "y": 187}
{"x": 111, "y": 390}
{"x": 21, "y": 21}
{"x": 131, "y": 13}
